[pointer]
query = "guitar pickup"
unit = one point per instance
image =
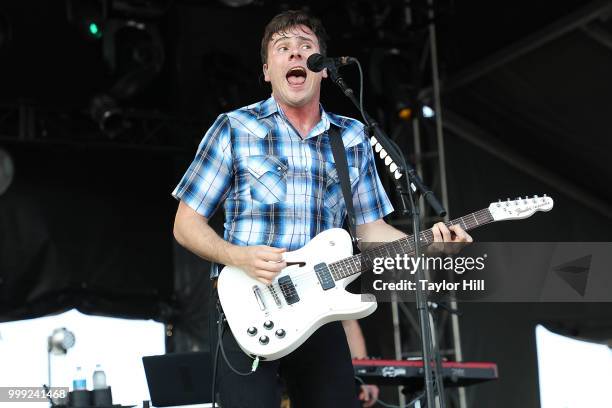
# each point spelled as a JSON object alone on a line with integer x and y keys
{"x": 288, "y": 289}
{"x": 325, "y": 277}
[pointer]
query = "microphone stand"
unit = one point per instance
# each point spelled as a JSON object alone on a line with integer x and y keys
{"x": 417, "y": 186}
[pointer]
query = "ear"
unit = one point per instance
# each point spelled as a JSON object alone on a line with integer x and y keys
{"x": 265, "y": 72}
{"x": 324, "y": 72}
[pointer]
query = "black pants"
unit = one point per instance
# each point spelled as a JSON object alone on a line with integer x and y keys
{"x": 319, "y": 374}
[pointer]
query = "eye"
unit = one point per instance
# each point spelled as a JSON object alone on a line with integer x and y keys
{"x": 282, "y": 48}
{"x": 306, "y": 46}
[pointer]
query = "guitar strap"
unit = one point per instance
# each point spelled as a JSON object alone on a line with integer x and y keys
{"x": 335, "y": 139}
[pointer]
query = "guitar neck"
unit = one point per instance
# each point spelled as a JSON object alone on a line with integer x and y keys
{"x": 363, "y": 262}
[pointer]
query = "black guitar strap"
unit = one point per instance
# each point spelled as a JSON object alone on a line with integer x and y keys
{"x": 335, "y": 139}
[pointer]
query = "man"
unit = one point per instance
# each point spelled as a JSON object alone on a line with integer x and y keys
{"x": 271, "y": 166}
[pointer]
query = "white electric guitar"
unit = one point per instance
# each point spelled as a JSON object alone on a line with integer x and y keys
{"x": 270, "y": 321}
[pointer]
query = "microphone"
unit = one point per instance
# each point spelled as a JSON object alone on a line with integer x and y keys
{"x": 317, "y": 62}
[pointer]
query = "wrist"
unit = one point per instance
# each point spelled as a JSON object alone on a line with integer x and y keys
{"x": 229, "y": 254}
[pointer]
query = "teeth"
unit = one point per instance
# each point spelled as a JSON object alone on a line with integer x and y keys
{"x": 297, "y": 70}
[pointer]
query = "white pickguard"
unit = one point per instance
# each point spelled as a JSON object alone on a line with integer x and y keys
{"x": 298, "y": 320}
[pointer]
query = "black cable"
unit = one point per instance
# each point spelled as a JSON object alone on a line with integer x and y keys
{"x": 386, "y": 404}
{"x": 363, "y": 115}
{"x": 221, "y": 330}
{"x": 214, "y": 376}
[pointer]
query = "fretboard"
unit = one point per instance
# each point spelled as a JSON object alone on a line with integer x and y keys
{"x": 363, "y": 262}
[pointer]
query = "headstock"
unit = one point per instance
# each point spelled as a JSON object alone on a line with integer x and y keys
{"x": 520, "y": 208}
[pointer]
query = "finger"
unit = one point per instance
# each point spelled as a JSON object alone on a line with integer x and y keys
{"x": 461, "y": 235}
{"x": 277, "y": 250}
{"x": 375, "y": 392}
{"x": 265, "y": 275}
{"x": 362, "y": 394}
{"x": 264, "y": 281}
{"x": 272, "y": 256}
{"x": 276, "y": 267}
{"x": 446, "y": 234}
{"x": 436, "y": 233}
{"x": 366, "y": 392}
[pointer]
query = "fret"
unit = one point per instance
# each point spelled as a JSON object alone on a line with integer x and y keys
{"x": 475, "y": 219}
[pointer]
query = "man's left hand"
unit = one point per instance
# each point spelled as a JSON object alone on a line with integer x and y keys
{"x": 454, "y": 235}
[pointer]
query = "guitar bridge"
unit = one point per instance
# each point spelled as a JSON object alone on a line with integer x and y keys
{"x": 275, "y": 295}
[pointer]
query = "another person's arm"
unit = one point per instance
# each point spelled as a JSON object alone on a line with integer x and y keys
{"x": 354, "y": 336}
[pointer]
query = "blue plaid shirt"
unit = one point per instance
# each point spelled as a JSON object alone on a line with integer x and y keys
{"x": 277, "y": 188}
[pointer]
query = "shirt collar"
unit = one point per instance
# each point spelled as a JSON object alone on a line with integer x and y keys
{"x": 270, "y": 106}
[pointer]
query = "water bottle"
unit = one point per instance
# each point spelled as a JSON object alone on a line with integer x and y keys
{"x": 79, "y": 382}
{"x": 99, "y": 378}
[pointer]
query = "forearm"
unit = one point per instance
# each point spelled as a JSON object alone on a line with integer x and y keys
{"x": 193, "y": 232}
{"x": 355, "y": 339}
{"x": 376, "y": 232}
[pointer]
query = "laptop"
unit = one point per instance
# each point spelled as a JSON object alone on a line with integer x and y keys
{"x": 179, "y": 379}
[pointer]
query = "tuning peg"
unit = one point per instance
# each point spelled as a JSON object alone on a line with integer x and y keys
{"x": 545, "y": 196}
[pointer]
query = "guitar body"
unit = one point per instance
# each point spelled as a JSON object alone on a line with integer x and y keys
{"x": 272, "y": 321}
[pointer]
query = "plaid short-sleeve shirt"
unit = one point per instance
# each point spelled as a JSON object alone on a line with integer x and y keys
{"x": 278, "y": 189}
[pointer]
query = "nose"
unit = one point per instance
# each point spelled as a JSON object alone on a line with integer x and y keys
{"x": 296, "y": 53}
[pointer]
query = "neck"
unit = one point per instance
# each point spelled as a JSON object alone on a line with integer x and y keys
{"x": 303, "y": 118}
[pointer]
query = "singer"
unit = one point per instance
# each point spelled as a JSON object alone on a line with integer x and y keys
{"x": 271, "y": 167}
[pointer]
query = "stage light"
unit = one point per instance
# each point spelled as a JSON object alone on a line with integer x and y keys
{"x": 405, "y": 114}
{"x": 6, "y": 171}
{"x": 428, "y": 112}
{"x": 134, "y": 53}
{"x": 95, "y": 30}
{"x": 60, "y": 341}
{"x": 87, "y": 16}
{"x": 105, "y": 111}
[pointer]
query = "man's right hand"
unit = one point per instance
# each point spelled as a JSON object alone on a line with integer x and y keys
{"x": 260, "y": 262}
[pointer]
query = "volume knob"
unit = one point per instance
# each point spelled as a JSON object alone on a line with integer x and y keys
{"x": 280, "y": 333}
{"x": 264, "y": 340}
{"x": 268, "y": 324}
{"x": 251, "y": 331}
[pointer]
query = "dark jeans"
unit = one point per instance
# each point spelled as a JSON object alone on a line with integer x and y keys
{"x": 319, "y": 374}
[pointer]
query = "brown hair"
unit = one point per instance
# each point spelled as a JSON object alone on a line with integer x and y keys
{"x": 284, "y": 21}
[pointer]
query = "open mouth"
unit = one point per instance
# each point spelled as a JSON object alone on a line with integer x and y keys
{"x": 296, "y": 76}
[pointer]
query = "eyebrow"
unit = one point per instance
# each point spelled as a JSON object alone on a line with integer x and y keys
{"x": 284, "y": 37}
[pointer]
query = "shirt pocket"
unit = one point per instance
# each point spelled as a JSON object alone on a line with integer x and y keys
{"x": 333, "y": 191}
{"x": 267, "y": 178}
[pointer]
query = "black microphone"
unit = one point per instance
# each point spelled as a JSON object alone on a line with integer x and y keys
{"x": 317, "y": 62}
